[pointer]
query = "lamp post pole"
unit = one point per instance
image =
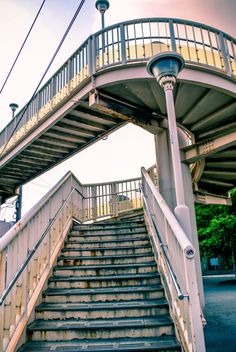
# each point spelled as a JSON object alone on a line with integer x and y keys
{"x": 102, "y": 6}
{"x": 165, "y": 68}
{"x": 18, "y": 205}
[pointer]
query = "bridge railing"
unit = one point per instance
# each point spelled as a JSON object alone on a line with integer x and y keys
{"x": 29, "y": 249}
{"x": 123, "y": 43}
{"x": 175, "y": 258}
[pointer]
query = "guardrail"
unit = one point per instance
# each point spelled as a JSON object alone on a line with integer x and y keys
{"x": 28, "y": 250}
{"x": 124, "y": 43}
{"x": 175, "y": 258}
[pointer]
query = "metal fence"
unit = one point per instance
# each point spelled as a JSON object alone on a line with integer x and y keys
{"x": 124, "y": 43}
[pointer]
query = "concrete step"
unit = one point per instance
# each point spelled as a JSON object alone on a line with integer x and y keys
{"x": 104, "y": 281}
{"x": 100, "y": 251}
{"x": 108, "y": 226}
{"x": 118, "y": 259}
{"x": 106, "y": 294}
{"x": 102, "y": 310}
{"x": 108, "y": 243}
{"x": 104, "y": 270}
{"x": 69, "y": 329}
{"x": 157, "y": 344}
{"x": 78, "y": 236}
{"x": 109, "y": 231}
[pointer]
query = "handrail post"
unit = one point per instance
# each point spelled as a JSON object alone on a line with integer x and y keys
{"x": 122, "y": 43}
{"x": 90, "y": 57}
{"x": 224, "y": 53}
{"x": 94, "y": 55}
{"x": 172, "y": 35}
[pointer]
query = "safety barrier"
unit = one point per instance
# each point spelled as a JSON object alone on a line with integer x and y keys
{"x": 124, "y": 43}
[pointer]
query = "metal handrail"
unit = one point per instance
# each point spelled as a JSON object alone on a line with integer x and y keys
{"x": 187, "y": 314}
{"x": 9, "y": 236}
{"x": 176, "y": 284}
{"x": 86, "y": 56}
{"x": 31, "y": 253}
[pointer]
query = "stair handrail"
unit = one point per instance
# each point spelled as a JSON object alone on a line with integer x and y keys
{"x": 27, "y": 254}
{"x": 32, "y": 251}
{"x": 163, "y": 250}
{"x": 176, "y": 264}
{"x": 12, "y": 233}
{"x": 29, "y": 249}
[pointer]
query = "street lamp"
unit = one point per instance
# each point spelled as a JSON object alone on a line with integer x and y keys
{"x": 18, "y": 205}
{"x": 102, "y": 6}
{"x": 165, "y": 67}
{"x": 13, "y": 107}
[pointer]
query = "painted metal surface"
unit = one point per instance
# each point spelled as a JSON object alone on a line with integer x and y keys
{"x": 28, "y": 250}
{"x": 128, "y": 42}
{"x": 104, "y": 85}
{"x": 176, "y": 264}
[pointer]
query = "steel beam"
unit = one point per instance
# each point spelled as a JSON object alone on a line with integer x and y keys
{"x": 197, "y": 152}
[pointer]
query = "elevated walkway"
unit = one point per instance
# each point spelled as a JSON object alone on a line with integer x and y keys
{"x": 104, "y": 85}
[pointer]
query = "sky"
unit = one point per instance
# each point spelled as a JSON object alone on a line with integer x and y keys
{"x": 125, "y": 151}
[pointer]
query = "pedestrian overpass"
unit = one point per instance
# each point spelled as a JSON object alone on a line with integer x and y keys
{"x": 101, "y": 87}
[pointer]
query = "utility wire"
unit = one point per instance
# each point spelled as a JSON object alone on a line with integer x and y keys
{"x": 46, "y": 71}
{"x": 22, "y": 46}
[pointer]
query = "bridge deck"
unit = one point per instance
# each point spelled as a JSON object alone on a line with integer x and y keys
{"x": 104, "y": 84}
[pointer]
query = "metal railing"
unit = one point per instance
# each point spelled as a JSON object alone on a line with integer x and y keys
{"x": 175, "y": 258}
{"x": 124, "y": 43}
{"x": 112, "y": 198}
{"x": 29, "y": 249}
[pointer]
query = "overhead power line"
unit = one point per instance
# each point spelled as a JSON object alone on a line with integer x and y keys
{"x": 22, "y": 46}
{"x": 46, "y": 71}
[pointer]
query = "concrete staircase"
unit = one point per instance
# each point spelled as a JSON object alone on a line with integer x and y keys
{"x": 104, "y": 295}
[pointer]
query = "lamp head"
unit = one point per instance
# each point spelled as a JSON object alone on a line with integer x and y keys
{"x": 167, "y": 63}
{"x": 13, "y": 106}
{"x": 102, "y": 5}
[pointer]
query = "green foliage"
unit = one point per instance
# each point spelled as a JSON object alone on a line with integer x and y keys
{"x": 217, "y": 229}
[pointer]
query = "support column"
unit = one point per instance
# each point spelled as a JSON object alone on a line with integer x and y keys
{"x": 163, "y": 157}
{"x": 187, "y": 179}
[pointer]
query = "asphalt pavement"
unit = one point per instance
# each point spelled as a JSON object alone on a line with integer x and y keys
{"x": 220, "y": 313}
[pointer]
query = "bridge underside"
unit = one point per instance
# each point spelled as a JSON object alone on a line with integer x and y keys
{"x": 206, "y": 112}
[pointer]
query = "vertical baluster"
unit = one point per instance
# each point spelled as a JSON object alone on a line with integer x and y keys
{"x": 211, "y": 46}
{"x": 128, "y": 43}
{"x": 195, "y": 44}
{"x": 135, "y": 42}
{"x": 107, "y": 48}
{"x": 204, "y": 47}
{"x": 172, "y": 35}
{"x": 113, "y": 47}
{"x": 186, "y": 36}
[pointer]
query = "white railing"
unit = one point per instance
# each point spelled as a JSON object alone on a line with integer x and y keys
{"x": 123, "y": 43}
{"x": 112, "y": 198}
{"x": 29, "y": 249}
{"x": 175, "y": 258}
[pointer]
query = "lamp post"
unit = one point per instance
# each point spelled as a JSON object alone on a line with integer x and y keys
{"x": 102, "y": 6}
{"x": 18, "y": 205}
{"x": 13, "y": 107}
{"x": 165, "y": 67}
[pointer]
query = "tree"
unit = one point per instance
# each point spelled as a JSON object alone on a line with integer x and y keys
{"x": 217, "y": 230}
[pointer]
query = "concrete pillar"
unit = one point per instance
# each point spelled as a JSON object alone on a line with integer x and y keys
{"x": 165, "y": 177}
{"x": 189, "y": 201}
